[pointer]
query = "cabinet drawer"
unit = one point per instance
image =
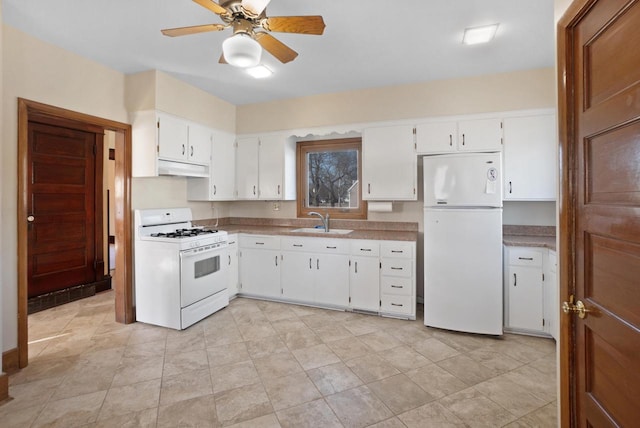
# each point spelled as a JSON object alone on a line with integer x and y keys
{"x": 260, "y": 241}
{"x": 365, "y": 248}
{"x": 395, "y": 303}
{"x": 396, "y": 249}
{"x": 525, "y": 256}
{"x": 332, "y": 246}
{"x": 395, "y": 285}
{"x": 298, "y": 244}
{"x": 397, "y": 267}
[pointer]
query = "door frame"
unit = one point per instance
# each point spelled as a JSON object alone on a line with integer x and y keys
{"x": 567, "y": 164}
{"x": 123, "y": 279}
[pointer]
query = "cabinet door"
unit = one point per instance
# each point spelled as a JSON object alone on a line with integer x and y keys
{"x": 297, "y": 274}
{"x": 222, "y": 171}
{"x": 480, "y": 135}
{"x": 364, "y": 283}
{"x": 271, "y": 167}
{"x": 440, "y": 137}
{"x": 530, "y": 158}
{"x": 199, "y": 150}
{"x": 232, "y": 262}
{"x": 551, "y": 296}
{"x": 247, "y": 168}
{"x": 389, "y": 163}
{"x": 260, "y": 272}
{"x": 525, "y": 298}
{"x": 172, "y": 137}
{"x": 331, "y": 283}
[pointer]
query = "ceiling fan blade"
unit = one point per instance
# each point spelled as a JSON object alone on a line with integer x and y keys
{"x": 212, "y": 6}
{"x": 276, "y": 48}
{"x": 254, "y": 7}
{"x": 222, "y": 60}
{"x": 183, "y": 31}
{"x": 295, "y": 24}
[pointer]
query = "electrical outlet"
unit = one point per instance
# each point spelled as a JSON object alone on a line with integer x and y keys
{"x": 276, "y": 206}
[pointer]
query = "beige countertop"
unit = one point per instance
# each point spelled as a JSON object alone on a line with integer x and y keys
{"x": 530, "y": 241}
{"x": 382, "y": 231}
{"x": 529, "y": 236}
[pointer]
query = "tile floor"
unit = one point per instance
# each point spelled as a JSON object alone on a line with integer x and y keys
{"x": 265, "y": 364}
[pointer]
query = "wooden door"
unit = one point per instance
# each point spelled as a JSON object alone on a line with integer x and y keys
{"x": 64, "y": 205}
{"x": 601, "y": 210}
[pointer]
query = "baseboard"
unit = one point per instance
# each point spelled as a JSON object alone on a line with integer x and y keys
{"x": 11, "y": 361}
{"x": 4, "y": 386}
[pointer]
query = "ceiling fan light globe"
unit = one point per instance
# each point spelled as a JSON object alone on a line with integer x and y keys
{"x": 241, "y": 50}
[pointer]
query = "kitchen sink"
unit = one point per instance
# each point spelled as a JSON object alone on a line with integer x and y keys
{"x": 322, "y": 232}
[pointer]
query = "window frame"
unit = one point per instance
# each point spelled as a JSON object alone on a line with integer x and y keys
{"x": 305, "y": 147}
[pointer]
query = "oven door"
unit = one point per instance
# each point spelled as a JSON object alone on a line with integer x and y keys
{"x": 202, "y": 273}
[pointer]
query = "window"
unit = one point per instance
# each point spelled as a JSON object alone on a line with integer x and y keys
{"x": 330, "y": 177}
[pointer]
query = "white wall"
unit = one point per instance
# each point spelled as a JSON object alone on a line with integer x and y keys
{"x": 39, "y": 71}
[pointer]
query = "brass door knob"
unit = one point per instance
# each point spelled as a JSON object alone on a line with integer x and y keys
{"x": 578, "y": 308}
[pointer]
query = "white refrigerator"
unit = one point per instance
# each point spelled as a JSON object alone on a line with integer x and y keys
{"x": 463, "y": 242}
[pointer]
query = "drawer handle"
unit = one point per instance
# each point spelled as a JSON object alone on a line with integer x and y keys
{"x": 396, "y": 268}
{"x": 297, "y": 245}
{"x": 365, "y": 249}
{"x": 259, "y": 243}
{"x": 515, "y": 280}
{"x": 397, "y": 286}
{"x": 397, "y": 304}
{"x": 397, "y": 251}
{"x": 331, "y": 248}
{"x": 525, "y": 258}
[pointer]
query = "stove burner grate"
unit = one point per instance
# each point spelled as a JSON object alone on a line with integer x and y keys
{"x": 183, "y": 233}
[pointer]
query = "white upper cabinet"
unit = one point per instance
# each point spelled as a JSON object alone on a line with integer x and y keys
{"x": 163, "y": 144}
{"x": 199, "y": 144}
{"x": 247, "y": 168}
{"x": 437, "y": 137}
{"x": 265, "y": 168}
{"x": 220, "y": 185}
{"x": 530, "y": 157}
{"x": 389, "y": 164}
{"x": 277, "y": 173}
{"x": 479, "y": 135}
{"x": 473, "y": 135}
{"x": 173, "y": 135}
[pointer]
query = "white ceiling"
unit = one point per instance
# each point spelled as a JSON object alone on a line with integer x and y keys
{"x": 367, "y": 43}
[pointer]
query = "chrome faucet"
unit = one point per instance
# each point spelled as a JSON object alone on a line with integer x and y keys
{"x": 325, "y": 219}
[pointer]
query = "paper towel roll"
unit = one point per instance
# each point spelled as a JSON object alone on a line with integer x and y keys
{"x": 380, "y": 207}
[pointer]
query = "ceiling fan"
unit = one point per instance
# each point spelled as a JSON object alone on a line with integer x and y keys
{"x": 250, "y": 30}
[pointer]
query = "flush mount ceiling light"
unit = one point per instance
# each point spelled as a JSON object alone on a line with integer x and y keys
{"x": 476, "y": 35}
{"x": 259, "y": 71}
{"x": 241, "y": 50}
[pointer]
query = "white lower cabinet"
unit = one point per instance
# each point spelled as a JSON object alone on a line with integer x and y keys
{"x": 260, "y": 265}
{"x": 364, "y": 276}
{"x": 398, "y": 279}
{"x": 232, "y": 264}
{"x": 375, "y": 276}
{"x": 551, "y": 295}
{"x": 524, "y": 289}
{"x": 315, "y": 270}
{"x": 331, "y": 284}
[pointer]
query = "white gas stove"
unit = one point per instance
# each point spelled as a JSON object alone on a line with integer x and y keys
{"x": 180, "y": 270}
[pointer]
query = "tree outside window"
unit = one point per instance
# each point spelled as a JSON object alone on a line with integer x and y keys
{"x": 329, "y": 178}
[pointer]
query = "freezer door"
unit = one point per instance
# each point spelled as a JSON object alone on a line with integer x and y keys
{"x": 463, "y": 180}
{"x": 463, "y": 270}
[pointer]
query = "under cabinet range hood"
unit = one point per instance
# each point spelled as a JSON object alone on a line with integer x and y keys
{"x": 182, "y": 169}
